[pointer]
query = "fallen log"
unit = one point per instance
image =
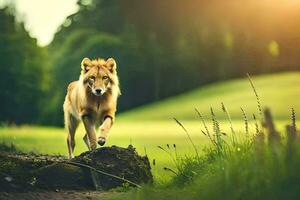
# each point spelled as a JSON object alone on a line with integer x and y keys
{"x": 101, "y": 169}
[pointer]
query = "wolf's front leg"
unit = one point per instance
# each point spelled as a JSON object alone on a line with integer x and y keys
{"x": 104, "y": 128}
{"x": 87, "y": 141}
{"x": 89, "y": 126}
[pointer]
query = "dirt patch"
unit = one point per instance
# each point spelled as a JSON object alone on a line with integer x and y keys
{"x": 53, "y": 195}
{"x": 101, "y": 169}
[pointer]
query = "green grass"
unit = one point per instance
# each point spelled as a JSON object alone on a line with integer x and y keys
{"x": 278, "y": 91}
{"x": 267, "y": 172}
{"x": 263, "y": 166}
{"x": 152, "y": 125}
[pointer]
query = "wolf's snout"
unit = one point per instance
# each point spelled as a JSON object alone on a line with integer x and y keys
{"x": 98, "y": 91}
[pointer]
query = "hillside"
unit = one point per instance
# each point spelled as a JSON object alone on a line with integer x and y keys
{"x": 279, "y": 91}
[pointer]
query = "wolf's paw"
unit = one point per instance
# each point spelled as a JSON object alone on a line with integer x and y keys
{"x": 71, "y": 156}
{"x": 101, "y": 141}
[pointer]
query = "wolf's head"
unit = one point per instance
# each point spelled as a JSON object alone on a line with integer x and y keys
{"x": 99, "y": 75}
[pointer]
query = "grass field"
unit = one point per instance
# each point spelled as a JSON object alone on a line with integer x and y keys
{"x": 152, "y": 125}
{"x": 278, "y": 91}
{"x": 261, "y": 167}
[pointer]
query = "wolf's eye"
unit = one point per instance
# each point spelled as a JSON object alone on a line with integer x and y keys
{"x": 105, "y": 77}
{"x": 92, "y": 78}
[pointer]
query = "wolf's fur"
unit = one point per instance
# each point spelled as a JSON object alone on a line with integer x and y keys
{"x": 92, "y": 99}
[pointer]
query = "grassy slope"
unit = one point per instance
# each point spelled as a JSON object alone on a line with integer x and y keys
{"x": 151, "y": 125}
{"x": 279, "y": 91}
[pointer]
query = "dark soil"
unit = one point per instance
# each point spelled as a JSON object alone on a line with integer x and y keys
{"x": 32, "y": 176}
{"x": 53, "y": 195}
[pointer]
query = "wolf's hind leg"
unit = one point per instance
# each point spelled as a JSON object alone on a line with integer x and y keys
{"x": 71, "y": 124}
{"x": 89, "y": 126}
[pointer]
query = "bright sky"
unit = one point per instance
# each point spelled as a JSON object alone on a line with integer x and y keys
{"x": 43, "y": 17}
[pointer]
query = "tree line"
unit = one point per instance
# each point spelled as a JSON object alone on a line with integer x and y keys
{"x": 23, "y": 72}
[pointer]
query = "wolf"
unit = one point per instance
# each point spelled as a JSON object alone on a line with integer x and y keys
{"x": 93, "y": 100}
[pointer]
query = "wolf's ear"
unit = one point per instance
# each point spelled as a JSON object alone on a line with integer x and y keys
{"x": 86, "y": 64}
{"x": 111, "y": 65}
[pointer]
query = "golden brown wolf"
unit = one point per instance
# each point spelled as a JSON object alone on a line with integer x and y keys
{"x": 92, "y": 99}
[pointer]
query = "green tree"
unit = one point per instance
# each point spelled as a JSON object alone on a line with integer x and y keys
{"x": 22, "y": 72}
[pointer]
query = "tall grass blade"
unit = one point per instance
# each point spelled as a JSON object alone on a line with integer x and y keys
{"x": 171, "y": 156}
{"x": 257, "y": 97}
{"x": 217, "y": 131}
{"x": 294, "y": 120}
{"x": 187, "y": 133}
{"x": 256, "y": 124}
{"x": 205, "y": 126}
{"x": 245, "y": 121}
{"x": 230, "y": 121}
